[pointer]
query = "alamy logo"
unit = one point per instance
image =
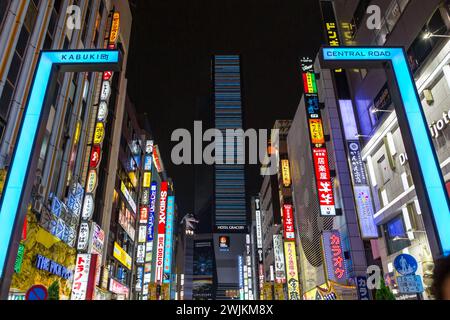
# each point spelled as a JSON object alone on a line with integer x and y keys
{"x": 374, "y": 19}
{"x": 226, "y": 146}
{"x": 73, "y": 21}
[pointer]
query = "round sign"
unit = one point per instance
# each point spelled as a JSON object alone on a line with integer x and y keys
{"x": 405, "y": 264}
{"x": 92, "y": 181}
{"x": 37, "y": 292}
{"x": 102, "y": 111}
{"x": 88, "y": 207}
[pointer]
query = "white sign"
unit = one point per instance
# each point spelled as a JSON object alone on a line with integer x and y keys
{"x": 159, "y": 257}
{"x": 81, "y": 277}
{"x": 102, "y": 111}
{"x": 106, "y": 91}
{"x": 128, "y": 196}
{"x": 83, "y": 237}
{"x": 88, "y": 207}
{"x": 259, "y": 242}
{"x": 280, "y": 271}
{"x": 140, "y": 255}
{"x": 142, "y": 233}
{"x": 365, "y": 211}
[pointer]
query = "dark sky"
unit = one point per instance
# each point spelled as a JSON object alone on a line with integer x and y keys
{"x": 170, "y": 57}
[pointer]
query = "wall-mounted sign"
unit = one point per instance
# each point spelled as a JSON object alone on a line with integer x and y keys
{"x": 140, "y": 253}
{"x": 122, "y": 256}
{"x": 168, "y": 246}
{"x": 334, "y": 256}
{"x": 143, "y": 214}
{"x": 148, "y": 159}
{"x": 286, "y": 173}
{"x": 142, "y": 234}
{"x": 356, "y": 163}
{"x": 224, "y": 243}
{"x": 91, "y": 181}
{"x": 99, "y": 133}
{"x": 44, "y": 263}
{"x": 107, "y": 75}
{"x": 88, "y": 207}
{"x": 83, "y": 237}
{"x": 151, "y": 219}
{"x": 147, "y": 179}
{"x": 118, "y": 288}
{"x": 157, "y": 159}
{"x": 321, "y": 166}
{"x": 96, "y": 154}
{"x": 75, "y": 198}
{"x": 102, "y": 111}
{"x": 316, "y": 130}
{"x": 81, "y": 277}
{"x": 106, "y": 91}
{"x": 280, "y": 273}
{"x": 115, "y": 26}
{"x": 128, "y": 196}
{"x": 309, "y": 81}
{"x": 97, "y": 239}
{"x": 365, "y": 210}
{"x": 363, "y": 290}
{"x": 161, "y": 232}
{"x": 288, "y": 222}
{"x": 312, "y": 106}
{"x": 292, "y": 271}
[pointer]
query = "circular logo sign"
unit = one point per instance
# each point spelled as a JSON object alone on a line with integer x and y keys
{"x": 405, "y": 264}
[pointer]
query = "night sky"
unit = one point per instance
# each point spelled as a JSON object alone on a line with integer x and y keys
{"x": 170, "y": 58}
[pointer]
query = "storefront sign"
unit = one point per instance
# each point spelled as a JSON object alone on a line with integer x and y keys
{"x": 143, "y": 216}
{"x": 142, "y": 234}
{"x": 99, "y": 133}
{"x": 363, "y": 290}
{"x": 356, "y": 163}
{"x": 286, "y": 173}
{"x": 280, "y": 273}
{"x": 316, "y": 130}
{"x": 151, "y": 219}
{"x": 97, "y": 239}
{"x": 118, "y": 288}
{"x": 161, "y": 232}
{"x": 259, "y": 242}
{"x": 122, "y": 256}
{"x": 148, "y": 159}
{"x": 169, "y": 239}
{"x": 96, "y": 154}
{"x": 309, "y": 81}
{"x": 140, "y": 253}
{"x": 75, "y": 199}
{"x": 292, "y": 271}
{"x": 83, "y": 237}
{"x": 157, "y": 159}
{"x": 288, "y": 222}
{"x": 147, "y": 179}
{"x": 106, "y": 91}
{"x": 128, "y": 196}
{"x": 91, "y": 181}
{"x": 334, "y": 256}
{"x": 88, "y": 207}
{"x": 102, "y": 111}
{"x": 115, "y": 26}
{"x": 312, "y": 106}
{"x": 81, "y": 277}
{"x": 44, "y": 263}
{"x": 19, "y": 258}
{"x": 365, "y": 210}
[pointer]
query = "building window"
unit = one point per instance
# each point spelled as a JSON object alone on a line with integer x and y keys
{"x": 396, "y": 235}
{"x": 4, "y": 5}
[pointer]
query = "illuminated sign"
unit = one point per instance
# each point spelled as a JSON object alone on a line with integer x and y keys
{"x": 118, "y": 288}
{"x": 122, "y": 256}
{"x": 128, "y": 196}
{"x": 97, "y": 240}
{"x": 325, "y": 186}
{"x": 169, "y": 239}
{"x": 356, "y": 163}
{"x": 115, "y": 26}
{"x": 88, "y": 207}
{"x": 83, "y": 237}
{"x": 143, "y": 217}
{"x": 99, "y": 134}
{"x": 161, "y": 232}
{"x": 365, "y": 211}
{"x": 151, "y": 220}
{"x": 316, "y": 130}
{"x": 91, "y": 181}
{"x": 140, "y": 253}
{"x": 309, "y": 80}
{"x": 44, "y": 263}
{"x": 147, "y": 179}
{"x": 157, "y": 159}
{"x": 286, "y": 174}
{"x": 334, "y": 256}
{"x": 148, "y": 162}
{"x": 106, "y": 91}
{"x": 321, "y": 166}
{"x": 96, "y": 154}
{"x": 288, "y": 222}
{"x": 423, "y": 161}
{"x": 107, "y": 75}
{"x": 102, "y": 111}
{"x": 312, "y": 106}
{"x": 293, "y": 285}
{"x": 280, "y": 273}
{"x": 81, "y": 277}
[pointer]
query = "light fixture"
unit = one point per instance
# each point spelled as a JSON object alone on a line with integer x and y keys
{"x": 427, "y": 35}
{"x": 375, "y": 110}
{"x": 361, "y": 136}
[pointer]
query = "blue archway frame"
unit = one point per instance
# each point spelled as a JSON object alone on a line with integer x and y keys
{"x": 21, "y": 173}
{"x": 426, "y": 172}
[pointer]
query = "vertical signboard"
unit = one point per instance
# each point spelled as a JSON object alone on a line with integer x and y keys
{"x": 293, "y": 285}
{"x": 161, "y": 233}
{"x": 168, "y": 246}
{"x": 288, "y": 222}
{"x": 336, "y": 269}
{"x": 280, "y": 273}
{"x": 317, "y": 138}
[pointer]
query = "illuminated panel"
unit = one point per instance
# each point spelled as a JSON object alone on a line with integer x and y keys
{"x": 169, "y": 239}
{"x": 420, "y": 136}
{"x": 48, "y": 62}
{"x": 230, "y": 202}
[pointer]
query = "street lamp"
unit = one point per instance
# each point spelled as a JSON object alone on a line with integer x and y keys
{"x": 428, "y": 34}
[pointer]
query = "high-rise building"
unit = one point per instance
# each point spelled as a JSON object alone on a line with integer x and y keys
{"x": 230, "y": 210}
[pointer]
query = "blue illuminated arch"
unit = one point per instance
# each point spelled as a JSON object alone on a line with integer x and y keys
{"x": 424, "y": 164}
{"x": 21, "y": 173}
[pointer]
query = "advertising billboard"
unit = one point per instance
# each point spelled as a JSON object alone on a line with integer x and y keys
{"x": 161, "y": 232}
{"x": 168, "y": 247}
{"x": 288, "y": 222}
{"x": 280, "y": 273}
{"x": 334, "y": 256}
{"x": 293, "y": 285}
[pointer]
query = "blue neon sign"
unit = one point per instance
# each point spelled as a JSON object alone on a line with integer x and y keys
{"x": 427, "y": 161}
{"x": 33, "y": 119}
{"x": 169, "y": 239}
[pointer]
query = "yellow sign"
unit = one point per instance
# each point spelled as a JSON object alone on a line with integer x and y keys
{"x": 122, "y": 256}
{"x": 77, "y": 132}
{"x": 114, "y": 34}
{"x": 286, "y": 172}
{"x": 293, "y": 284}
{"x": 316, "y": 129}
{"x": 99, "y": 133}
{"x": 268, "y": 291}
{"x": 147, "y": 179}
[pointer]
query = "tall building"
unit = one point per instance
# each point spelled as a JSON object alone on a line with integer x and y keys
{"x": 67, "y": 209}
{"x": 395, "y": 207}
{"x": 230, "y": 210}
